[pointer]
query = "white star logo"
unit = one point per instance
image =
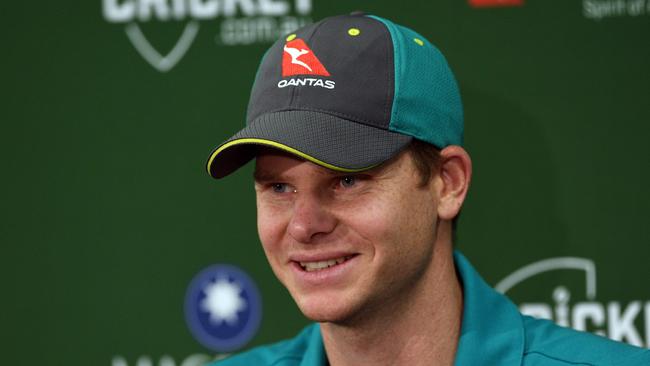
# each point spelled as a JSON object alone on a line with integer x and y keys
{"x": 223, "y": 301}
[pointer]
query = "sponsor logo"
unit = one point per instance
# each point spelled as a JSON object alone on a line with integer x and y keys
{"x": 223, "y": 308}
{"x": 299, "y": 59}
{"x": 628, "y": 322}
{"x": 241, "y": 22}
{"x": 601, "y": 9}
{"x": 495, "y": 3}
{"x": 327, "y": 84}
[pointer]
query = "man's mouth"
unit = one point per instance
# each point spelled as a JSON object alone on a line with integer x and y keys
{"x": 320, "y": 265}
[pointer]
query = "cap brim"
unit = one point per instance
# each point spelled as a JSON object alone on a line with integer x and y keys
{"x": 329, "y": 141}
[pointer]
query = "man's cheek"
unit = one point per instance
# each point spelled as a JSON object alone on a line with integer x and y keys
{"x": 383, "y": 223}
{"x": 267, "y": 228}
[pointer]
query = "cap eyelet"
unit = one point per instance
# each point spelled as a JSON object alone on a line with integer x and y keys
{"x": 291, "y": 37}
{"x": 354, "y": 32}
{"x": 418, "y": 41}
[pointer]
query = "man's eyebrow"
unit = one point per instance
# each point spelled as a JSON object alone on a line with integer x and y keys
{"x": 263, "y": 176}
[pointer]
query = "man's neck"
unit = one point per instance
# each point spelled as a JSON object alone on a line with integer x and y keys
{"x": 421, "y": 331}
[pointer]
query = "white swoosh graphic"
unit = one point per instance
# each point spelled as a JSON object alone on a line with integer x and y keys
{"x": 160, "y": 62}
{"x": 552, "y": 264}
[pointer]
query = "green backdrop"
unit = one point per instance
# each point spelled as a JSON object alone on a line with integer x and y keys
{"x": 110, "y": 108}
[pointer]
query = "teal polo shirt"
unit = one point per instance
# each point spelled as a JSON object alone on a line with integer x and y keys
{"x": 493, "y": 333}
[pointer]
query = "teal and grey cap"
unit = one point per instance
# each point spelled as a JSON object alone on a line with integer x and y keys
{"x": 348, "y": 93}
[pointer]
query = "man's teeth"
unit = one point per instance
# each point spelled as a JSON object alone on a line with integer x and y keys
{"x": 315, "y": 266}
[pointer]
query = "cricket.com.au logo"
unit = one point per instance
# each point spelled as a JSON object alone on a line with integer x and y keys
{"x": 622, "y": 321}
{"x": 237, "y": 22}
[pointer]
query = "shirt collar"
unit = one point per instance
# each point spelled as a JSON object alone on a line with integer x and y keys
{"x": 492, "y": 331}
{"x": 315, "y": 352}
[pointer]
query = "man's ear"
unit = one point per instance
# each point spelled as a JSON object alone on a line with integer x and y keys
{"x": 455, "y": 174}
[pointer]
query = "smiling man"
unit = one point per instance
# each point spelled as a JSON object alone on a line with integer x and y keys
{"x": 356, "y": 126}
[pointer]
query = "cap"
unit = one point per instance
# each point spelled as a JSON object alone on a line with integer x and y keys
{"x": 348, "y": 93}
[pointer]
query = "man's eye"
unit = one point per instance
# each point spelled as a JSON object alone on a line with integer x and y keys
{"x": 280, "y": 187}
{"x": 348, "y": 181}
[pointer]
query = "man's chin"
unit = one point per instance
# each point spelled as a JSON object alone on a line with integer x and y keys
{"x": 323, "y": 315}
{"x": 326, "y": 313}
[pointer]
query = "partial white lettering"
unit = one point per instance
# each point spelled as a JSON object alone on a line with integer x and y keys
{"x": 117, "y": 12}
{"x": 621, "y": 324}
{"x": 204, "y": 9}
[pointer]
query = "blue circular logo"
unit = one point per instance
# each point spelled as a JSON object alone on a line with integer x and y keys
{"x": 223, "y": 308}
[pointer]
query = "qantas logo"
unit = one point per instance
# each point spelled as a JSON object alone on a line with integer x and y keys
{"x": 299, "y": 59}
{"x": 295, "y": 53}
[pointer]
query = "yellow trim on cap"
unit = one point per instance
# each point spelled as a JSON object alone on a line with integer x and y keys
{"x": 284, "y": 148}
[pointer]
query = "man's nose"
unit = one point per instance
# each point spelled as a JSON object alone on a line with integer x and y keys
{"x": 310, "y": 220}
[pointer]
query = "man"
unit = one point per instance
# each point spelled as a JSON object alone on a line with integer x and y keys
{"x": 356, "y": 127}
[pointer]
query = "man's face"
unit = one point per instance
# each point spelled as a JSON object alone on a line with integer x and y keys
{"x": 344, "y": 245}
